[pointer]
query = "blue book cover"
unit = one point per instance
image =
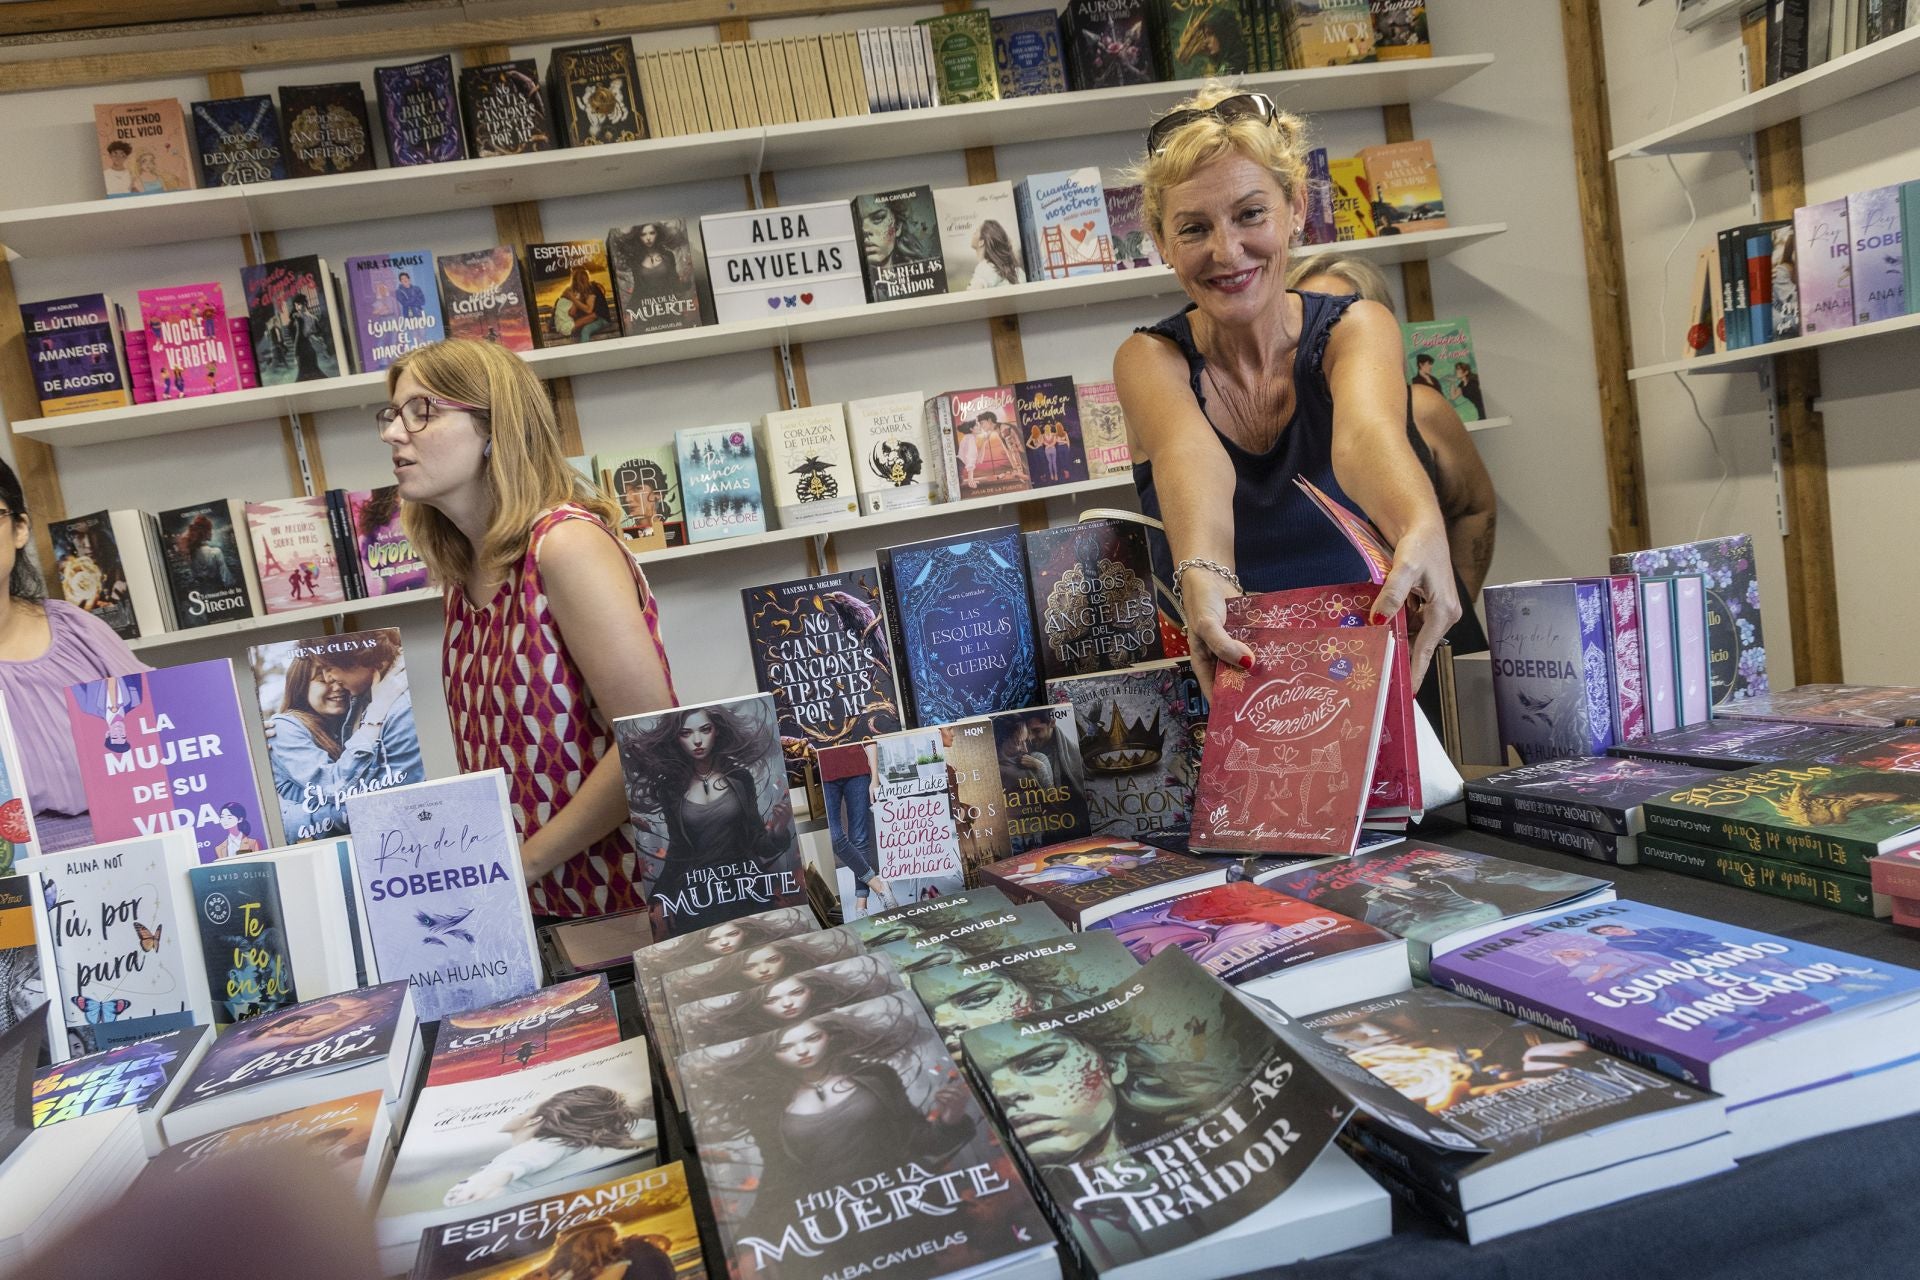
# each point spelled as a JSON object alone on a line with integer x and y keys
{"x": 420, "y": 112}
{"x": 243, "y": 938}
{"x": 1026, "y": 52}
{"x": 239, "y": 140}
{"x": 958, "y": 618}
{"x": 1736, "y": 646}
{"x": 720, "y": 481}
{"x": 1063, "y": 224}
{"x": 1550, "y": 685}
{"x": 1759, "y": 308}
{"x": 438, "y": 869}
{"x": 394, "y": 304}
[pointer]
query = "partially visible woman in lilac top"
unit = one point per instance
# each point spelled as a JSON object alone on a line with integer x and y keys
{"x": 46, "y": 645}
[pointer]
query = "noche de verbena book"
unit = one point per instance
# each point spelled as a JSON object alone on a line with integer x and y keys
{"x": 1169, "y": 1131}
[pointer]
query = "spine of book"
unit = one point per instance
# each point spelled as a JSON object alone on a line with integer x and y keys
{"x": 896, "y": 635}
{"x": 1830, "y": 852}
{"x": 1628, "y": 656}
{"x": 1405, "y": 1169}
{"x": 1568, "y": 813}
{"x": 1816, "y": 885}
{"x": 1579, "y": 841}
{"x": 1759, "y": 262}
{"x": 1732, "y": 285}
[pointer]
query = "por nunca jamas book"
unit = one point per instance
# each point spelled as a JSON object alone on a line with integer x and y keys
{"x": 438, "y": 866}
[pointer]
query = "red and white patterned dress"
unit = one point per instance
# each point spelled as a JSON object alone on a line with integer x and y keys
{"x": 518, "y": 702}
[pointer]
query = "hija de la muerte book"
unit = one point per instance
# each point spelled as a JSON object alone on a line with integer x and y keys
{"x": 293, "y": 553}
{"x": 982, "y": 452}
{"x": 1050, "y": 430}
{"x": 769, "y": 1006}
{"x": 74, "y": 348}
{"x": 420, "y": 112}
{"x": 208, "y": 563}
{"x": 900, "y": 244}
{"x": 1291, "y": 744}
{"x": 167, "y": 749}
{"x": 292, "y": 321}
{"x": 1550, "y": 683}
{"x": 958, "y": 620}
{"x": 820, "y": 649}
{"x": 143, "y": 146}
{"x": 505, "y": 109}
{"x": 501, "y": 1039}
{"x": 646, "y": 483}
{"x": 809, "y": 468}
{"x": 1137, "y": 748}
{"x": 707, "y": 791}
{"x": 243, "y": 938}
{"x": 740, "y": 971}
{"x": 1085, "y": 881}
{"x": 239, "y": 141}
{"x": 437, "y": 866}
{"x": 981, "y": 990}
{"x": 327, "y": 129}
{"x": 893, "y": 465}
{"x": 979, "y": 236}
{"x": 655, "y": 277}
{"x": 483, "y": 295}
{"x": 720, "y": 481}
{"x": 1440, "y": 357}
{"x": 189, "y": 348}
{"x": 394, "y": 304}
{"x": 1092, "y": 592}
{"x": 1352, "y": 198}
{"x": 596, "y": 93}
{"x": 1063, "y": 224}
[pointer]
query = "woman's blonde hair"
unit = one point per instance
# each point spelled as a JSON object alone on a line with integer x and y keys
{"x": 527, "y": 472}
{"x": 1362, "y": 274}
{"x": 1279, "y": 146}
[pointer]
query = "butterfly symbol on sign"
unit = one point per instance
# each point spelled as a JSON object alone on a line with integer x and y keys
{"x": 149, "y": 938}
{"x": 792, "y": 301}
{"x": 99, "y": 1011}
{"x": 443, "y": 925}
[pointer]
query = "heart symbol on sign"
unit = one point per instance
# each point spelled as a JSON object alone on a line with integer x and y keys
{"x": 774, "y": 303}
{"x": 806, "y": 299}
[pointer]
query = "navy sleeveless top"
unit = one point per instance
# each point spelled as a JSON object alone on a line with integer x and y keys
{"x": 1280, "y": 539}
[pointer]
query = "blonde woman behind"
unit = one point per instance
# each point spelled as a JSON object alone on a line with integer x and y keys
{"x": 551, "y": 631}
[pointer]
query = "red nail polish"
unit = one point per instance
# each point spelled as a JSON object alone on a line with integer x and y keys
{"x": 1246, "y": 662}
{"x": 1377, "y": 619}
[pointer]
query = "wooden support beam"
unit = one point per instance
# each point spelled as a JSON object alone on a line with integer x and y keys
{"x": 55, "y": 17}
{"x": 1628, "y": 528}
{"x": 1415, "y": 281}
{"x": 20, "y": 400}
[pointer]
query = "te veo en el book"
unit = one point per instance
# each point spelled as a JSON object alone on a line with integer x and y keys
{"x": 292, "y": 323}
{"x": 1050, "y": 429}
{"x": 1020, "y": 982}
{"x": 596, "y": 93}
{"x": 964, "y": 69}
{"x": 776, "y": 1005}
{"x": 958, "y": 621}
{"x": 982, "y": 452}
{"x": 327, "y": 129}
{"x": 892, "y": 818}
{"x": 1599, "y": 793}
{"x": 720, "y": 481}
{"x": 1137, "y": 1197}
{"x": 645, "y": 481}
{"x": 1085, "y": 882}
{"x": 1063, "y": 224}
{"x": 1026, "y": 54}
{"x": 1110, "y": 43}
{"x": 573, "y": 292}
{"x": 1735, "y": 638}
{"x": 420, "y": 112}
{"x": 1297, "y": 957}
{"x": 784, "y": 1164}
{"x": 483, "y": 295}
{"x": 74, "y": 348}
{"x": 505, "y": 109}
{"x": 239, "y": 141}
{"x": 1800, "y": 1040}
{"x": 900, "y": 249}
{"x": 395, "y": 306}
{"x": 293, "y": 553}
{"x": 894, "y": 464}
{"x": 320, "y": 916}
{"x": 809, "y": 468}
{"x": 1492, "y": 1124}
{"x": 248, "y": 965}
{"x": 437, "y": 866}
{"x": 1439, "y": 899}
{"x": 1846, "y": 706}
{"x": 776, "y": 263}
{"x": 108, "y": 563}
{"x": 1835, "y": 816}
{"x": 980, "y": 240}
{"x": 1817, "y": 886}
{"x": 501, "y": 1039}
{"x": 1136, "y": 739}
{"x": 189, "y": 348}
{"x": 655, "y": 279}
{"x": 972, "y": 934}
{"x": 145, "y": 1075}
{"x": 143, "y": 147}
{"x": 1735, "y": 744}
{"x": 210, "y": 571}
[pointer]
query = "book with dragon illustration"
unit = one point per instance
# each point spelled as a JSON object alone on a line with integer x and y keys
{"x": 1829, "y": 815}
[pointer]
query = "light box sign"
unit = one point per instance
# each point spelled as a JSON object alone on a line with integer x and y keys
{"x": 783, "y": 262}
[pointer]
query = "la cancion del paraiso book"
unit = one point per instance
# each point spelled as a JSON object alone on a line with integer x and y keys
{"x": 900, "y": 244}
{"x": 707, "y": 790}
{"x": 1050, "y": 427}
{"x": 239, "y": 141}
{"x": 958, "y": 620}
{"x": 294, "y": 553}
{"x": 645, "y": 481}
{"x": 596, "y": 93}
{"x": 1836, "y": 816}
{"x": 654, "y": 277}
{"x": 809, "y": 469}
{"x": 1092, "y": 589}
{"x": 1604, "y": 794}
{"x": 420, "y": 112}
{"x": 1063, "y": 224}
{"x": 243, "y": 938}
{"x": 772, "y": 1006}
{"x": 720, "y": 481}
{"x": 143, "y": 1074}
{"x": 77, "y": 366}
{"x": 560, "y": 1021}
{"x": 504, "y": 106}
{"x": 894, "y": 824}
{"x": 143, "y": 147}
{"x": 327, "y": 129}
{"x": 189, "y": 350}
{"x": 773, "y": 263}
{"x": 126, "y": 952}
{"x": 483, "y": 295}
{"x": 1086, "y": 881}
{"x": 395, "y": 306}
{"x": 1135, "y": 738}
{"x": 296, "y": 331}
{"x": 1737, "y": 650}
{"x": 979, "y": 230}
{"x": 893, "y": 462}
{"x": 889, "y": 1156}
{"x": 344, "y": 1138}
{"x": 438, "y": 869}
{"x": 572, "y": 291}
{"x": 168, "y": 749}
{"x": 210, "y": 573}
{"x": 1020, "y": 982}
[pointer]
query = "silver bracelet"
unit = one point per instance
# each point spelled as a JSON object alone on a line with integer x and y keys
{"x": 1211, "y": 566}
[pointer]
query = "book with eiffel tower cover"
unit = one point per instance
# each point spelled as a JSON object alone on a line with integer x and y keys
{"x": 1291, "y": 745}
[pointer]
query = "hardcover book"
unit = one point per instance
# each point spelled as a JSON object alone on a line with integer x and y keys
{"x": 505, "y": 109}
{"x": 1021, "y": 982}
{"x": 243, "y": 939}
{"x": 239, "y": 141}
{"x": 906, "y": 1120}
{"x": 646, "y": 484}
{"x": 1440, "y": 355}
{"x": 1103, "y": 429}
{"x": 573, "y": 291}
{"x": 437, "y": 865}
{"x": 596, "y": 93}
{"x": 982, "y": 452}
{"x": 345, "y": 1139}
{"x": 776, "y": 1005}
{"x": 980, "y": 239}
{"x": 420, "y": 112}
{"x": 1328, "y": 33}
{"x": 1736, "y": 647}
{"x": 75, "y": 354}
{"x": 1136, "y": 748}
{"x": 210, "y": 574}
{"x": 388, "y": 562}
{"x": 1832, "y": 815}
{"x": 1796, "y": 881}
{"x": 507, "y": 1038}
{"x": 820, "y": 651}
{"x": 1400, "y": 30}
{"x": 1550, "y": 683}
{"x": 126, "y": 955}
{"x": 1439, "y": 898}
{"x": 189, "y": 349}
{"x": 143, "y": 1074}
{"x": 327, "y": 128}
{"x": 1600, "y": 793}
{"x": 1201, "y": 39}
{"x": 143, "y": 147}
{"x": 964, "y": 69}
{"x": 1406, "y": 188}
{"x": 1126, "y": 217}
{"x": 809, "y": 466}
{"x": 1735, "y": 744}
{"x": 395, "y": 307}
{"x": 963, "y": 642}
{"x": 1877, "y": 255}
{"x": 900, "y": 244}
{"x": 707, "y": 788}
{"x": 1824, "y": 247}
{"x": 167, "y": 750}
{"x": 27, "y": 959}
{"x": 1063, "y": 224}
{"x": 1290, "y": 747}
{"x": 1352, "y": 199}
{"x": 1092, "y": 590}
{"x": 894, "y": 821}
{"x": 291, "y": 321}
{"x": 1848, "y": 706}
{"x": 1112, "y": 43}
{"x": 484, "y": 295}
{"x": 653, "y": 277}
{"x": 1049, "y": 420}
{"x": 719, "y": 481}
{"x": 1087, "y": 881}
{"x": 1026, "y": 54}
{"x": 892, "y": 461}
{"x": 339, "y": 720}
{"x": 293, "y": 553}
{"x": 778, "y": 263}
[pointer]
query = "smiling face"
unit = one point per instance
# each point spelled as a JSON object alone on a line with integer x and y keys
{"x": 1225, "y": 233}
{"x": 327, "y": 697}
{"x": 786, "y": 1000}
{"x": 356, "y": 682}
{"x": 1057, "y": 1095}
{"x": 802, "y": 1047}
{"x": 696, "y": 735}
{"x": 441, "y": 460}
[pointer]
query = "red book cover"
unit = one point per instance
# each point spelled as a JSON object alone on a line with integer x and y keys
{"x": 1085, "y": 881}
{"x": 1396, "y": 768}
{"x": 1290, "y": 745}
{"x": 501, "y": 1039}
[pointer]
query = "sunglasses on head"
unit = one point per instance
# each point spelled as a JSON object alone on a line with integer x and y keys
{"x": 1241, "y": 106}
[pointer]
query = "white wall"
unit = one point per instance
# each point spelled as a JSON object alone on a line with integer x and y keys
{"x": 1503, "y": 146}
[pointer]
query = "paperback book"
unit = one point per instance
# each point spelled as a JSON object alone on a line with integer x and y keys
{"x": 1600, "y": 793}
{"x": 1136, "y": 732}
{"x": 347, "y": 1139}
{"x": 143, "y": 1074}
{"x": 420, "y": 112}
{"x": 503, "y": 1039}
{"x": 982, "y": 451}
{"x": 1020, "y": 983}
{"x": 27, "y": 958}
{"x": 505, "y": 109}
{"x": 1026, "y": 54}
{"x": 1110, "y": 43}
{"x": 900, "y": 244}
{"x": 894, "y": 821}
{"x": 809, "y": 468}
{"x": 1042, "y": 783}
{"x": 1400, "y": 30}
{"x": 388, "y": 563}
{"x": 1352, "y": 199}
{"x": 740, "y": 970}
{"x": 979, "y": 236}
{"x": 1836, "y": 816}
{"x": 1328, "y": 33}
{"x": 327, "y": 129}
{"x": 189, "y": 348}
{"x": 777, "y": 1005}
{"x": 210, "y": 575}
{"x": 1049, "y": 419}
{"x": 1406, "y": 188}
{"x": 653, "y": 277}
{"x": 243, "y": 938}
{"x": 1796, "y": 881}
{"x": 1202, "y": 40}
{"x": 1550, "y": 681}
{"x": 957, "y": 618}
{"x": 1092, "y": 590}
{"x": 1087, "y": 881}
{"x": 1847, "y": 706}
{"x": 291, "y": 320}
{"x": 1877, "y": 255}
{"x": 719, "y": 481}
{"x": 596, "y": 93}
{"x": 964, "y": 69}
{"x": 1440, "y": 356}
{"x": 1542, "y": 833}
{"x": 73, "y": 347}
{"x": 1735, "y": 744}
{"x": 394, "y": 306}
{"x": 1103, "y": 428}
{"x": 143, "y": 147}
{"x": 1133, "y": 245}
{"x": 646, "y": 484}
{"x": 239, "y": 141}
{"x": 1736, "y": 647}
{"x": 293, "y": 553}
{"x": 573, "y": 292}
{"x": 1824, "y": 247}
{"x": 483, "y": 295}
{"x": 1063, "y": 222}
{"x": 892, "y": 463}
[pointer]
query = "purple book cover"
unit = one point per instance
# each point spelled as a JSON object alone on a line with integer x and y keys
{"x": 1602, "y": 792}
{"x": 1690, "y": 647}
{"x": 394, "y": 300}
{"x": 1670, "y": 991}
{"x": 1736, "y": 744}
{"x": 1736, "y": 645}
{"x": 420, "y": 112}
{"x": 1550, "y": 668}
{"x": 1656, "y": 613}
{"x": 165, "y": 749}
{"x": 1826, "y": 266}
{"x": 1629, "y": 664}
{"x": 1318, "y": 227}
{"x": 1879, "y": 277}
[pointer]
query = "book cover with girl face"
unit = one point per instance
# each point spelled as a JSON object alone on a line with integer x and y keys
{"x": 653, "y": 276}
{"x": 143, "y": 147}
{"x": 979, "y": 236}
{"x": 388, "y": 562}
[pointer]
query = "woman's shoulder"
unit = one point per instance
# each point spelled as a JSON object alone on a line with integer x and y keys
{"x": 80, "y": 633}
{"x": 1176, "y": 328}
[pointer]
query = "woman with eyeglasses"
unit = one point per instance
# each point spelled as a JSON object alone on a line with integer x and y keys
{"x": 551, "y": 630}
{"x": 46, "y": 645}
{"x": 1252, "y": 385}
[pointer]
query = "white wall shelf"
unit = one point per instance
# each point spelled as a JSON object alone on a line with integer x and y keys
{"x": 258, "y": 403}
{"x": 1753, "y": 357}
{"x": 1876, "y": 65}
{"x": 1489, "y": 424}
{"x": 178, "y": 217}
{"x": 289, "y": 618}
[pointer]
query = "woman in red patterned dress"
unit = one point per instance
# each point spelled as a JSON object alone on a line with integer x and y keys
{"x": 552, "y": 633}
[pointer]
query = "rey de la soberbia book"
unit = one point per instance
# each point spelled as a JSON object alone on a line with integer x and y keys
{"x": 596, "y": 93}
{"x": 168, "y": 750}
{"x": 1735, "y": 744}
{"x": 505, "y": 109}
{"x": 143, "y": 147}
{"x": 77, "y": 366}
{"x": 1736, "y": 649}
{"x": 1142, "y": 1115}
{"x": 1293, "y": 955}
{"x": 346, "y": 1138}
{"x": 1086, "y": 881}
{"x": 850, "y": 1136}
{"x": 189, "y": 348}
{"x": 210, "y": 576}
{"x": 1598, "y": 792}
{"x": 1493, "y": 1124}
{"x": 333, "y": 1047}
{"x": 144, "y": 1074}
{"x": 1136, "y": 748}
{"x": 707, "y": 790}
{"x": 643, "y": 1221}
{"x": 900, "y": 244}
{"x": 1438, "y": 898}
{"x": 243, "y": 938}
{"x": 294, "y": 554}
{"x": 339, "y": 716}
{"x": 290, "y": 317}
{"x": 1290, "y": 747}
{"x": 719, "y": 481}
{"x": 484, "y": 296}
{"x": 1829, "y": 815}
{"x": 437, "y": 865}
{"x": 820, "y": 650}
{"x": 654, "y": 277}
{"x": 125, "y": 947}
{"x": 420, "y": 112}
{"x": 1020, "y": 982}
{"x": 239, "y": 141}
{"x": 892, "y": 816}
{"x": 1092, "y": 591}
{"x": 1799, "y": 1039}
{"x": 1551, "y": 690}
{"x": 772, "y": 1006}
{"x": 957, "y": 617}
{"x": 327, "y": 129}
{"x": 395, "y": 306}
{"x": 560, "y": 1021}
